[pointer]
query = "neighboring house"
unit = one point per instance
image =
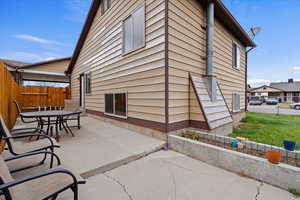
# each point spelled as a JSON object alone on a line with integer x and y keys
{"x": 44, "y": 73}
{"x": 145, "y": 63}
{"x": 266, "y": 92}
{"x": 284, "y": 91}
{"x": 291, "y": 90}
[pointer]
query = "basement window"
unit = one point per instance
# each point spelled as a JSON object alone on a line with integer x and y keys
{"x": 134, "y": 30}
{"x": 116, "y": 104}
{"x": 236, "y": 102}
{"x": 105, "y": 5}
{"x": 236, "y": 56}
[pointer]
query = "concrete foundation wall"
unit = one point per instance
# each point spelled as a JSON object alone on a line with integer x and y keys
{"x": 237, "y": 117}
{"x": 281, "y": 175}
{"x": 139, "y": 129}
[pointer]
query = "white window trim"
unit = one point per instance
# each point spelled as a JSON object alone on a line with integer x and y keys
{"x": 124, "y": 53}
{"x": 112, "y": 114}
{"x": 238, "y": 66}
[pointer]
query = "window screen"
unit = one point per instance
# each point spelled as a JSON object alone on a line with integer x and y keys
{"x": 236, "y": 102}
{"x": 105, "y": 5}
{"x": 109, "y": 103}
{"x": 88, "y": 85}
{"x": 116, "y": 104}
{"x": 236, "y": 56}
{"x": 134, "y": 30}
{"x": 120, "y": 104}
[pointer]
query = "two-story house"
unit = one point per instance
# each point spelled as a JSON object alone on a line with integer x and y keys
{"x": 162, "y": 65}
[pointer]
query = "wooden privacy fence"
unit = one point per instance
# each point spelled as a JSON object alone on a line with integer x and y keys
{"x": 26, "y": 96}
{"x": 32, "y": 96}
{"x": 9, "y": 90}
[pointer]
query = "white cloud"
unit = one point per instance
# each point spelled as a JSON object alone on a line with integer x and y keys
{"x": 295, "y": 70}
{"x": 36, "y": 39}
{"x": 31, "y": 57}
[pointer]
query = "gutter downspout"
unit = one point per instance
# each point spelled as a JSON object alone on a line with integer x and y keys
{"x": 246, "y": 78}
{"x": 211, "y": 80}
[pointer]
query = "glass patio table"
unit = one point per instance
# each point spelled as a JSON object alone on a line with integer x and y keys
{"x": 59, "y": 116}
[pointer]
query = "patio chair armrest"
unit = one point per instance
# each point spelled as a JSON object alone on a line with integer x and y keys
{"x": 26, "y": 130}
{"x": 37, "y": 176}
{"x": 31, "y": 135}
{"x": 33, "y": 154}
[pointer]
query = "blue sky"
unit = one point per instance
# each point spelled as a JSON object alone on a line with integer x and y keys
{"x": 35, "y": 30}
{"x": 277, "y": 56}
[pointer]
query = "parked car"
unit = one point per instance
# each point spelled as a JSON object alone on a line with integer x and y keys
{"x": 255, "y": 101}
{"x": 271, "y": 101}
{"x": 295, "y": 106}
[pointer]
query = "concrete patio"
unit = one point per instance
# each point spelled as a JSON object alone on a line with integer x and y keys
{"x": 169, "y": 176}
{"x": 120, "y": 164}
{"x": 99, "y": 146}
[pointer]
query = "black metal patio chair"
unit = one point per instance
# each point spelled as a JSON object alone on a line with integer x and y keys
{"x": 72, "y": 105}
{"x": 20, "y": 147}
{"x": 45, "y": 185}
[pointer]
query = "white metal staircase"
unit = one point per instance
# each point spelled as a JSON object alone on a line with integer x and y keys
{"x": 216, "y": 113}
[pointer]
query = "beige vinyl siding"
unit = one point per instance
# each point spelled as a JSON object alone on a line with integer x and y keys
{"x": 231, "y": 80}
{"x": 140, "y": 73}
{"x": 58, "y": 67}
{"x": 186, "y": 54}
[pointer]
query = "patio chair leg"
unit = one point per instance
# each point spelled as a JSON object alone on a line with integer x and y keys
{"x": 68, "y": 127}
{"x": 48, "y": 127}
{"x": 78, "y": 121}
{"x": 75, "y": 191}
{"x": 54, "y": 197}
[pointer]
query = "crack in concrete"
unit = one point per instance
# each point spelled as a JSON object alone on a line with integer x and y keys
{"x": 120, "y": 184}
{"x": 258, "y": 190}
{"x": 174, "y": 182}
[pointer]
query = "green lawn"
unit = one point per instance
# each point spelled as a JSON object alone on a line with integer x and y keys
{"x": 269, "y": 128}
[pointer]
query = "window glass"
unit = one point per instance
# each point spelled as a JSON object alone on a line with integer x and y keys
{"x": 236, "y": 56}
{"x": 105, "y": 5}
{"x": 120, "y": 104}
{"x": 139, "y": 27}
{"x": 88, "y": 85}
{"x": 236, "y": 102}
{"x": 128, "y": 34}
{"x": 109, "y": 103}
{"x": 134, "y": 30}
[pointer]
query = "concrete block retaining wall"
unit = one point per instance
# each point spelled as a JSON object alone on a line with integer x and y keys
{"x": 281, "y": 175}
{"x": 247, "y": 144}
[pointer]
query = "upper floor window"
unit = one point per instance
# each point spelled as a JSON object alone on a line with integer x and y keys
{"x": 236, "y": 56}
{"x": 134, "y": 30}
{"x": 105, "y": 5}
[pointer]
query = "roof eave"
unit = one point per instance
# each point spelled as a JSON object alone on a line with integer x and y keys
{"x": 44, "y": 62}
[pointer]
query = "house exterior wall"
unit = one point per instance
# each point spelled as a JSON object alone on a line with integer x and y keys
{"x": 187, "y": 54}
{"x": 140, "y": 73}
